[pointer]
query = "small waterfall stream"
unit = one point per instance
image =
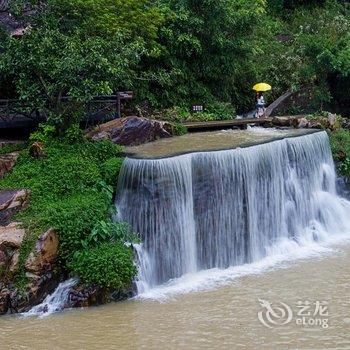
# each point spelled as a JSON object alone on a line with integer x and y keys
{"x": 54, "y": 302}
{"x": 226, "y": 208}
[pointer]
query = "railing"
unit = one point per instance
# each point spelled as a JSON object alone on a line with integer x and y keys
{"x": 14, "y": 112}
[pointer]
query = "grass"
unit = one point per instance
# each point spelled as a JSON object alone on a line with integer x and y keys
{"x": 71, "y": 191}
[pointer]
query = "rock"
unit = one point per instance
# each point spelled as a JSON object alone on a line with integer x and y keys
{"x": 45, "y": 252}
{"x": 345, "y": 123}
{"x": 300, "y": 123}
{"x": 11, "y": 236}
{"x": 131, "y": 131}
{"x": 38, "y": 288}
{"x": 11, "y": 202}
{"x": 14, "y": 262}
{"x": 315, "y": 124}
{"x": 3, "y": 260}
{"x": 36, "y": 150}
{"x": 85, "y": 296}
{"x": 7, "y": 162}
{"x": 4, "y": 300}
{"x": 332, "y": 120}
{"x": 281, "y": 121}
{"x": 303, "y": 123}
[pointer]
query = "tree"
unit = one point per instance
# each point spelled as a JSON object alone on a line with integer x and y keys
{"x": 76, "y": 49}
{"x": 205, "y": 52}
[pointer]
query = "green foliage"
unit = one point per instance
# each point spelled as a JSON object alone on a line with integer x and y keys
{"x": 344, "y": 166}
{"x": 20, "y": 279}
{"x": 77, "y": 49}
{"x": 280, "y": 5}
{"x": 44, "y": 133}
{"x": 111, "y": 168}
{"x": 108, "y": 265}
{"x": 206, "y": 47}
{"x": 307, "y": 48}
{"x": 74, "y": 134}
{"x": 15, "y": 147}
{"x": 69, "y": 194}
{"x": 109, "y": 231}
{"x": 340, "y": 145}
{"x": 179, "y": 129}
{"x": 214, "y": 111}
{"x": 178, "y": 53}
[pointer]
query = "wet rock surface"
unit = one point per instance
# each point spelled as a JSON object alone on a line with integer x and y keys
{"x": 85, "y": 296}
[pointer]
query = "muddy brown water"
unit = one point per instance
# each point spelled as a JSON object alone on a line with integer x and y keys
{"x": 211, "y": 141}
{"x": 223, "y": 318}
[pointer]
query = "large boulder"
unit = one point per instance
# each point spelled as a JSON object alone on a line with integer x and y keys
{"x": 45, "y": 252}
{"x": 131, "y": 131}
{"x": 11, "y": 202}
{"x": 7, "y": 162}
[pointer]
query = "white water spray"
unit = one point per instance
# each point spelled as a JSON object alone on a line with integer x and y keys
{"x": 54, "y": 302}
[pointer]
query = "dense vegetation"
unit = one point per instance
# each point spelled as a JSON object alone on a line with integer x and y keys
{"x": 176, "y": 53}
{"x": 72, "y": 189}
{"x": 340, "y": 144}
{"x": 172, "y": 53}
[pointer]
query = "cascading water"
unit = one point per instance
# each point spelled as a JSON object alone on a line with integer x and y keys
{"x": 226, "y": 208}
{"x": 54, "y": 302}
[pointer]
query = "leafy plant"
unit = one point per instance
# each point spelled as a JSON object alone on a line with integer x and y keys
{"x": 68, "y": 192}
{"x": 340, "y": 145}
{"x": 109, "y": 231}
{"x": 44, "y": 133}
{"x": 179, "y": 129}
{"x": 111, "y": 168}
{"x": 344, "y": 166}
{"x": 109, "y": 265}
{"x": 15, "y": 147}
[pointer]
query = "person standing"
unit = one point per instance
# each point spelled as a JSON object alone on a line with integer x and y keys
{"x": 260, "y": 105}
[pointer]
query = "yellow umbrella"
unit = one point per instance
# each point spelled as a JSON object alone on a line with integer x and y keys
{"x": 262, "y": 87}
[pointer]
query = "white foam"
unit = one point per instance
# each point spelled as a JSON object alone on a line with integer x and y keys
{"x": 282, "y": 255}
{"x": 54, "y": 302}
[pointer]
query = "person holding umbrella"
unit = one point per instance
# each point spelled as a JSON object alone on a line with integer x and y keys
{"x": 260, "y": 101}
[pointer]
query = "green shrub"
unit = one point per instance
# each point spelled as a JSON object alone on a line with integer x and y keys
{"x": 213, "y": 111}
{"x": 44, "y": 133}
{"x": 179, "y": 129}
{"x": 74, "y": 134}
{"x": 74, "y": 217}
{"x": 109, "y": 231}
{"x": 109, "y": 265}
{"x": 340, "y": 145}
{"x": 15, "y": 147}
{"x": 110, "y": 170}
{"x": 68, "y": 190}
{"x": 222, "y": 110}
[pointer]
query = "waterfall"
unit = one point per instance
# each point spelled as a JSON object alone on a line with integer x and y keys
{"x": 54, "y": 302}
{"x": 226, "y": 208}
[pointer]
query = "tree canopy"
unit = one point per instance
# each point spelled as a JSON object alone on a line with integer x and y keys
{"x": 174, "y": 52}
